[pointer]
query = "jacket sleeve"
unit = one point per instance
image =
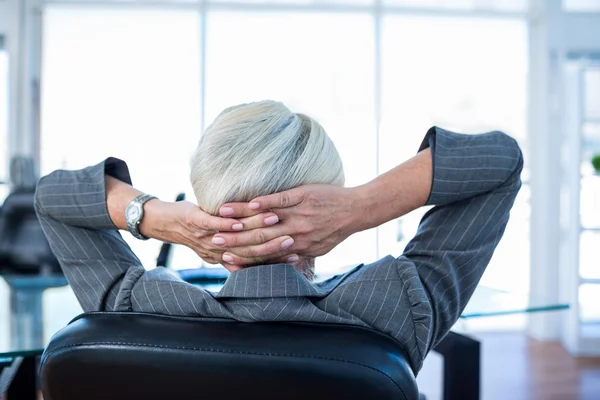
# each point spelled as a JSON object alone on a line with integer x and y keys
{"x": 475, "y": 181}
{"x": 71, "y": 207}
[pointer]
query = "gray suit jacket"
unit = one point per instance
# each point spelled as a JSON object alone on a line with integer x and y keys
{"x": 415, "y": 298}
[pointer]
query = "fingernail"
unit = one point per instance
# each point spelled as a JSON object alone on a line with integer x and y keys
{"x": 219, "y": 241}
{"x": 287, "y": 243}
{"x": 226, "y": 211}
{"x": 237, "y": 227}
{"x": 227, "y": 258}
{"x": 254, "y": 206}
{"x": 293, "y": 258}
{"x": 271, "y": 220}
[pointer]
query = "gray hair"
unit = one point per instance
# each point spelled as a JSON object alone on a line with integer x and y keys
{"x": 260, "y": 148}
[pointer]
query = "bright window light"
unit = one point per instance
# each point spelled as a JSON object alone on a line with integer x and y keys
{"x": 3, "y": 113}
{"x": 581, "y": 5}
{"x": 323, "y": 71}
{"x": 463, "y": 74}
{"x": 4, "y": 110}
{"x": 501, "y": 5}
{"x": 123, "y": 83}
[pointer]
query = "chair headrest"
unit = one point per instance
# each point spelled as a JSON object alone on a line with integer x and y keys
{"x": 22, "y": 173}
{"x": 24, "y": 248}
{"x": 132, "y": 355}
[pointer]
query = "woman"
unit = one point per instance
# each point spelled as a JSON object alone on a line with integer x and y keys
{"x": 280, "y": 176}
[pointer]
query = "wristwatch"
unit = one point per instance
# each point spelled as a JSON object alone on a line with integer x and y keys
{"x": 134, "y": 212}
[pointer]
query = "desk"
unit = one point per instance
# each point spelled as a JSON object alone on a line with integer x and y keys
{"x": 18, "y": 356}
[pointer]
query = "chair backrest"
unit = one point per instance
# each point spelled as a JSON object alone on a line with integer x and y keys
{"x": 144, "y": 356}
{"x": 22, "y": 174}
{"x": 23, "y": 247}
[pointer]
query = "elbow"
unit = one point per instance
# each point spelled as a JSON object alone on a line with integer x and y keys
{"x": 38, "y": 197}
{"x": 512, "y": 158}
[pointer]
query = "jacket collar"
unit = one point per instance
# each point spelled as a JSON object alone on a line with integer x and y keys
{"x": 276, "y": 280}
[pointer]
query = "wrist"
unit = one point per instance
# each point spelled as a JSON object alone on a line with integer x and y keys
{"x": 364, "y": 205}
{"x": 156, "y": 220}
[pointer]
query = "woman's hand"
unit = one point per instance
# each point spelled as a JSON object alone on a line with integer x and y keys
{"x": 185, "y": 223}
{"x": 317, "y": 217}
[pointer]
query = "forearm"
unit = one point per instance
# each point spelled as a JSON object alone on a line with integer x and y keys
{"x": 395, "y": 193}
{"x": 450, "y": 167}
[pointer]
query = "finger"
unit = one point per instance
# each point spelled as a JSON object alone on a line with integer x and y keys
{"x": 237, "y": 210}
{"x": 285, "y": 199}
{"x": 249, "y": 238}
{"x": 211, "y": 223}
{"x": 259, "y": 221}
{"x": 266, "y": 251}
{"x": 208, "y": 257}
{"x": 208, "y": 251}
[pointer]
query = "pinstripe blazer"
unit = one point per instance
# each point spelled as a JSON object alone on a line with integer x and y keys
{"x": 415, "y": 298}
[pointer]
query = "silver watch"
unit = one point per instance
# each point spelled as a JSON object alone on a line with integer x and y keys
{"x": 134, "y": 212}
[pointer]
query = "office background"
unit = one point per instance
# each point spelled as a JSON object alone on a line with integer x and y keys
{"x": 81, "y": 80}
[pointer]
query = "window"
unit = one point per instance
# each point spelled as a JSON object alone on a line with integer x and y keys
{"x": 591, "y": 81}
{"x": 323, "y": 72}
{"x": 301, "y": 2}
{"x": 589, "y": 272}
{"x": 3, "y": 121}
{"x": 466, "y": 75}
{"x": 124, "y": 83}
{"x": 581, "y": 5}
{"x": 499, "y": 5}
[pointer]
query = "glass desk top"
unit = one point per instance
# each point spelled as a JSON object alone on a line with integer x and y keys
{"x": 29, "y": 316}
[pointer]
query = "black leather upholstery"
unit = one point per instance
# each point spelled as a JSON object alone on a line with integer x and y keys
{"x": 23, "y": 247}
{"x": 143, "y": 356}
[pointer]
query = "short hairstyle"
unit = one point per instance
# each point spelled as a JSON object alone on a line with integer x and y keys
{"x": 260, "y": 148}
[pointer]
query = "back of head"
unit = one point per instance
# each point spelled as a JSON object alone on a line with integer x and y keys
{"x": 261, "y": 148}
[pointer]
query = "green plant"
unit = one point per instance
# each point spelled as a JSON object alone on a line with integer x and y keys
{"x": 596, "y": 162}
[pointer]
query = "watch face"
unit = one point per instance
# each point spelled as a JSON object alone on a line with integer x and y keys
{"x": 133, "y": 213}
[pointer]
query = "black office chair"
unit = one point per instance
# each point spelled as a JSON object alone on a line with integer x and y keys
{"x": 24, "y": 249}
{"x": 124, "y": 356}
